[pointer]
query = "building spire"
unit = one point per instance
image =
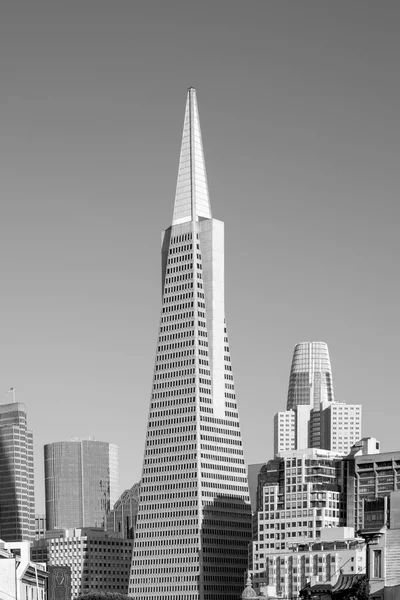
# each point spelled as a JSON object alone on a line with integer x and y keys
{"x": 191, "y": 199}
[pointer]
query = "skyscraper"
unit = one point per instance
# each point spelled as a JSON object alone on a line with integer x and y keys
{"x": 194, "y": 517}
{"x": 81, "y": 483}
{"x": 313, "y": 419}
{"x": 17, "y": 494}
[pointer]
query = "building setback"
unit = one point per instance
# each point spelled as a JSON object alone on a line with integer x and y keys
{"x": 194, "y": 517}
{"x": 81, "y": 483}
{"x": 17, "y": 494}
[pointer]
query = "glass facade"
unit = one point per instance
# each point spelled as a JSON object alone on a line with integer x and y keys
{"x": 81, "y": 483}
{"x": 194, "y": 517}
{"x": 310, "y": 380}
{"x": 17, "y": 496}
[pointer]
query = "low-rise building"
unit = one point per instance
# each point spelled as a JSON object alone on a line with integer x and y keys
{"x": 20, "y": 578}
{"x": 317, "y": 561}
{"x": 381, "y": 531}
{"x": 99, "y": 560}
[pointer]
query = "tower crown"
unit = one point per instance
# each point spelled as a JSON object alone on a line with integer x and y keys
{"x": 191, "y": 198}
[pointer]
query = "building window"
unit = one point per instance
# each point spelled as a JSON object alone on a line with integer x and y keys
{"x": 377, "y": 563}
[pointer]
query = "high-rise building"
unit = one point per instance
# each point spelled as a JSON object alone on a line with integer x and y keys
{"x": 313, "y": 419}
{"x": 194, "y": 517}
{"x": 300, "y": 494}
{"x": 81, "y": 483}
{"x": 121, "y": 519}
{"x": 17, "y": 494}
{"x": 310, "y": 380}
{"x": 40, "y": 526}
{"x": 340, "y": 426}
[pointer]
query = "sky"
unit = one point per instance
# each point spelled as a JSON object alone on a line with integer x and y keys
{"x": 298, "y": 105}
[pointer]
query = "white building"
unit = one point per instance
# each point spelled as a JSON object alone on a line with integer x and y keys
{"x": 20, "y": 578}
{"x": 316, "y": 561}
{"x": 313, "y": 419}
{"x": 340, "y": 426}
{"x": 99, "y": 561}
{"x": 194, "y": 518}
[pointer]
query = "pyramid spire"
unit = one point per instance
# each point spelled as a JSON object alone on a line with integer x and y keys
{"x": 191, "y": 199}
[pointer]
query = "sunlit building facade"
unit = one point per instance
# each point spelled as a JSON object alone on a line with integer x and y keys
{"x": 301, "y": 493}
{"x": 17, "y": 494}
{"x": 313, "y": 419}
{"x": 194, "y": 518}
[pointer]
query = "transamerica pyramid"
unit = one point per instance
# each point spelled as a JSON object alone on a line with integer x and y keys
{"x": 194, "y": 518}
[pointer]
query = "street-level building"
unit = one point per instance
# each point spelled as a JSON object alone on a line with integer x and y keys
{"x": 20, "y": 577}
{"x": 316, "y": 561}
{"x": 99, "y": 561}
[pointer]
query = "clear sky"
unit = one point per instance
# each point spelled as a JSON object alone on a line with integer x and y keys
{"x": 299, "y": 106}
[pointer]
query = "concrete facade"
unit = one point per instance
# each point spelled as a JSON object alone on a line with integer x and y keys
{"x": 313, "y": 419}
{"x": 194, "y": 518}
{"x": 17, "y": 493}
{"x": 99, "y": 561}
{"x": 319, "y": 561}
{"x": 20, "y": 578}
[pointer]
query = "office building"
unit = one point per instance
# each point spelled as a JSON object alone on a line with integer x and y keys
{"x": 17, "y": 494}
{"x": 252, "y": 478}
{"x": 194, "y": 517}
{"x": 340, "y": 426}
{"x": 371, "y": 475}
{"x": 285, "y": 431}
{"x": 310, "y": 381}
{"x": 121, "y": 519}
{"x": 40, "y": 526}
{"x": 313, "y": 419}
{"x": 81, "y": 483}
{"x": 99, "y": 560}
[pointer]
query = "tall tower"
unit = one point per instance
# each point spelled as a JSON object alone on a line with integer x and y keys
{"x": 310, "y": 380}
{"x": 313, "y": 418}
{"x": 17, "y": 494}
{"x": 194, "y": 517}
{"x": 81, "y": 483}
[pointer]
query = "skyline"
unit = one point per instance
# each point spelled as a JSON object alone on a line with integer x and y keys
{"x": 301, "y": 149}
